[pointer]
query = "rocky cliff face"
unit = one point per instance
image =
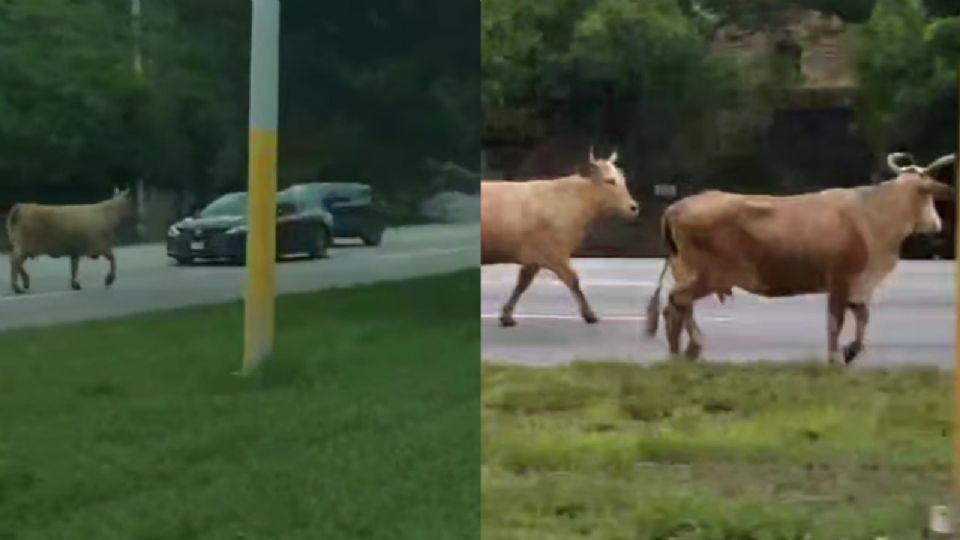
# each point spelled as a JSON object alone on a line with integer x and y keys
{"x": 820, "y": 44}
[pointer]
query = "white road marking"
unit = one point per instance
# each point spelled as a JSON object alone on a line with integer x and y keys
{"x": 28, "y": 295}
{"x": 617, "y": 318}
{"x": 557, "y": 282}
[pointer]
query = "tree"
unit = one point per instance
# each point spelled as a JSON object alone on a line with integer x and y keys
{"x": 905, "y": 68}
{"x": 638, "y": 74}
{"x": 66, "y": 94}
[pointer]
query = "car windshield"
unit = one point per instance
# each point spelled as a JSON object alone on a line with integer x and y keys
{"x": 286, "y": 197}
{"x": 235, "y": 204}
{"x": 286, "y": 202}
{"x": 231, "y": 204}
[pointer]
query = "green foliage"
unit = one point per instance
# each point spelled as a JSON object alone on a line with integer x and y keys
{"x": 906, "y": 65}
{"x": 368, "y": 93}
{"x": 943, "y": 37}
{"x": 374, "y": 91}
{"x": 640, "y": 73}
{"x": 942, "y": 8}
{"x": 66, "y": 91}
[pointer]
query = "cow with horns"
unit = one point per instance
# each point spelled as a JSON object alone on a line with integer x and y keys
{"x": 842, "y": 242}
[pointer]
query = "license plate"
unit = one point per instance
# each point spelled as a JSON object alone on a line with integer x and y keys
{"x": 196, "y": 244}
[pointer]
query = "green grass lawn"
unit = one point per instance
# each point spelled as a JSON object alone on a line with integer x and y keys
{"x": 682, "y": 451}
{"x": 362, "y": 425}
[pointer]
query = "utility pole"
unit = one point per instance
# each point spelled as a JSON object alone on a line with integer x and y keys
{"x": 956, "y": 318}
{"x": 135, "y": 22}
{"x": 260, "y": 300}
{"x": 135, "y": 11}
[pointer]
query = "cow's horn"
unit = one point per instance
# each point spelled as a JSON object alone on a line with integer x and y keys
{"x": 592, "y": 158}
{"x": 940, "y": 162}
{"x": 892, "y": 161}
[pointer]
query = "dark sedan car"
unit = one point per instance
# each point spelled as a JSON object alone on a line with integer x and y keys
{"x": 219, "y": 230}
{"x": 355, "y": 214}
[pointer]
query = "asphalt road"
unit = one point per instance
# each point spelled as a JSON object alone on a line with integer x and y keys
{"x": 912, "y": 320}
{"x": 148, "y": 281}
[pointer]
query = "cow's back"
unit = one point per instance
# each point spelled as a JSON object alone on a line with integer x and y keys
{"x": 775, "y": 246}
{"x": 502, "y": 220}
{"x": 60, "y": 230}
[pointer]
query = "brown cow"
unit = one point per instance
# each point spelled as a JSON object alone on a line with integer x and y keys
{"x": 75, "y": 231}
{"x": 540, "y": 223}
{"x": 842, "y": 242}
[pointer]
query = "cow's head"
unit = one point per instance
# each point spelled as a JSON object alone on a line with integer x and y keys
{"x": 124, "y": 204}
{"x": 923, "y": 190}
{"x": 611, "y": 186}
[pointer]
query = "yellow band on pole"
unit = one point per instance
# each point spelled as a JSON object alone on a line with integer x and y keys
{"x": 261, "y": 250}
{"x": 259, "y": 305}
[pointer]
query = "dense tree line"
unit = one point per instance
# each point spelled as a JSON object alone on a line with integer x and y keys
{"x": 370, "y": 91}
{"x": 642, "y": 74}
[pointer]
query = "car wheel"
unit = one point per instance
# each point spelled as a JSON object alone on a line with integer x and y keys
{"x": 372, "y": 238}
{"x": 184, "y": 261}
{"x": 318, "y": 248}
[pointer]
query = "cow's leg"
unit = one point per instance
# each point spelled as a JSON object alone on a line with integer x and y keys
{"x": 569, "y": 277}
{"x": 17, "y": 261}
{"x": 15, "y": 271}
{"x": 682, "y": 299}
{"x": 861, "y": 313}
{"x": 112, "y": 276}
{"x": 673, "y": 325}
{"x": 524, "y": 279}
{"x": 694, "y": 335}
{"x": 24, "y": 276}
{"x": 836, "y": 309}
{"x": 74, "y": 266}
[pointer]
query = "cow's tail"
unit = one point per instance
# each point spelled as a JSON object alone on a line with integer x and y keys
{"x": 653, "y": 305}
{"x": 13, "y": 219}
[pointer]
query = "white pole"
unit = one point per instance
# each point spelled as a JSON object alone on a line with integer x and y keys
{"x": 135, "y": 18}
{"x": 135, "y": 10}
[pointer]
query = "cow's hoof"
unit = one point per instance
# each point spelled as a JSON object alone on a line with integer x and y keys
{"x": 109, "y": 281}
{"x": 851, "y": 352}
{"x": 693, "y": 351}
{"x": 75, "y": 286}
{"x": 507, "y": 322}
{"x": 590, "y": 318}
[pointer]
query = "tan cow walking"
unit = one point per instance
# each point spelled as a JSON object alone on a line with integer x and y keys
{"x": 842, "y": 242}
{"x": 540, "y": 223}
{"x": 75, "y": 231}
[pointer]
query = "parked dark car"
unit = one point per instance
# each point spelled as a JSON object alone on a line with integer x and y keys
{"x": 355, "y": 212}
{"x": 219, "y": 230}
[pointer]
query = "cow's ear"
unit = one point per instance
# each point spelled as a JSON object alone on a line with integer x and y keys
{"x": 938, "y": 190}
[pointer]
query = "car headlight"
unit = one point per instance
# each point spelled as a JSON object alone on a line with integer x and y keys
{"x": 173, "y": 231}
{"x": 237, "y": 229}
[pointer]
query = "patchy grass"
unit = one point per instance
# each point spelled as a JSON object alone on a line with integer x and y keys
{"x": 712, "y": 451}
{"x": 363, "y": 424}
